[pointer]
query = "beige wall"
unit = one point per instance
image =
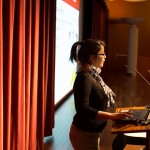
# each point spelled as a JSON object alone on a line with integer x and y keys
{"x": 118, "y": 34}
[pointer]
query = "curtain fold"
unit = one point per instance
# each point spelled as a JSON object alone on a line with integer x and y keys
{"x": 27, "y": 44}
{"x": 50, "y": 65}
{"x": 7, "y": 37}
{"x": 1, "y": 77}
{"x": 95, "y": 20}
{"x": 28, "y": 24}
{"x": 99, "y": 20}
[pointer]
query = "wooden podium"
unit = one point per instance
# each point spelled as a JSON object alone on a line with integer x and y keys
{"x": 130, "y": 128}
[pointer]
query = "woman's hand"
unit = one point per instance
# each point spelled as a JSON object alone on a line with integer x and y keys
{"x": 120, "y": 115}
{"x": 113, "y": 116}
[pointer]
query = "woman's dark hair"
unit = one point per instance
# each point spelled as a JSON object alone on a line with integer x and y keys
{"x": 82, "y": 50}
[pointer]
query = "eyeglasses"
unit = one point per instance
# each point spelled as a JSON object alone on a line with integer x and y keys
{"x": 102, "y": 54}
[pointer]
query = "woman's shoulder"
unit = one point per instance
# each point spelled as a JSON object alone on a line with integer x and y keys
{"x": 83, "y": 78}
{"x": 84, "y": 75}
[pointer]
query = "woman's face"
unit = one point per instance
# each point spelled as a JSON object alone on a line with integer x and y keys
{"x": 99, "y": 60}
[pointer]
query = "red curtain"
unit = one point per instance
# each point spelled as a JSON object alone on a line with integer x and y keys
{"x": 27, "y": 43}
{"x": 100, "y": 20}
{"x": 95, "y": 20}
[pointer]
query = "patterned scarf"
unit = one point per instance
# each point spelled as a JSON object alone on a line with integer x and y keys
{"x": 95, "y": 72}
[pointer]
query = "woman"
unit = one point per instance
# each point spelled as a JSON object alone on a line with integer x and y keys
{"x": 92, "y": 96}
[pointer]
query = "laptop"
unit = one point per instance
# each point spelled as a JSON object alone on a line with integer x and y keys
{"x": 139, "y": 116}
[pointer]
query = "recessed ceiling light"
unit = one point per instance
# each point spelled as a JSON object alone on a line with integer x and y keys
{"x": 135, "y": 0}
{"x": 131, "y": 0}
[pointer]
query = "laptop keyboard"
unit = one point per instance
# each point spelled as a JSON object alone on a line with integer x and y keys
{"x": 139, "y": 114}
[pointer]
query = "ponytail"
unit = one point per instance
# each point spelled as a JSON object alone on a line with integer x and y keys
{"x": 74, "y": 51}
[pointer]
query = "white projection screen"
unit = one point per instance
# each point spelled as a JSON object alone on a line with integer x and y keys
{"x": 67, "y": 32}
